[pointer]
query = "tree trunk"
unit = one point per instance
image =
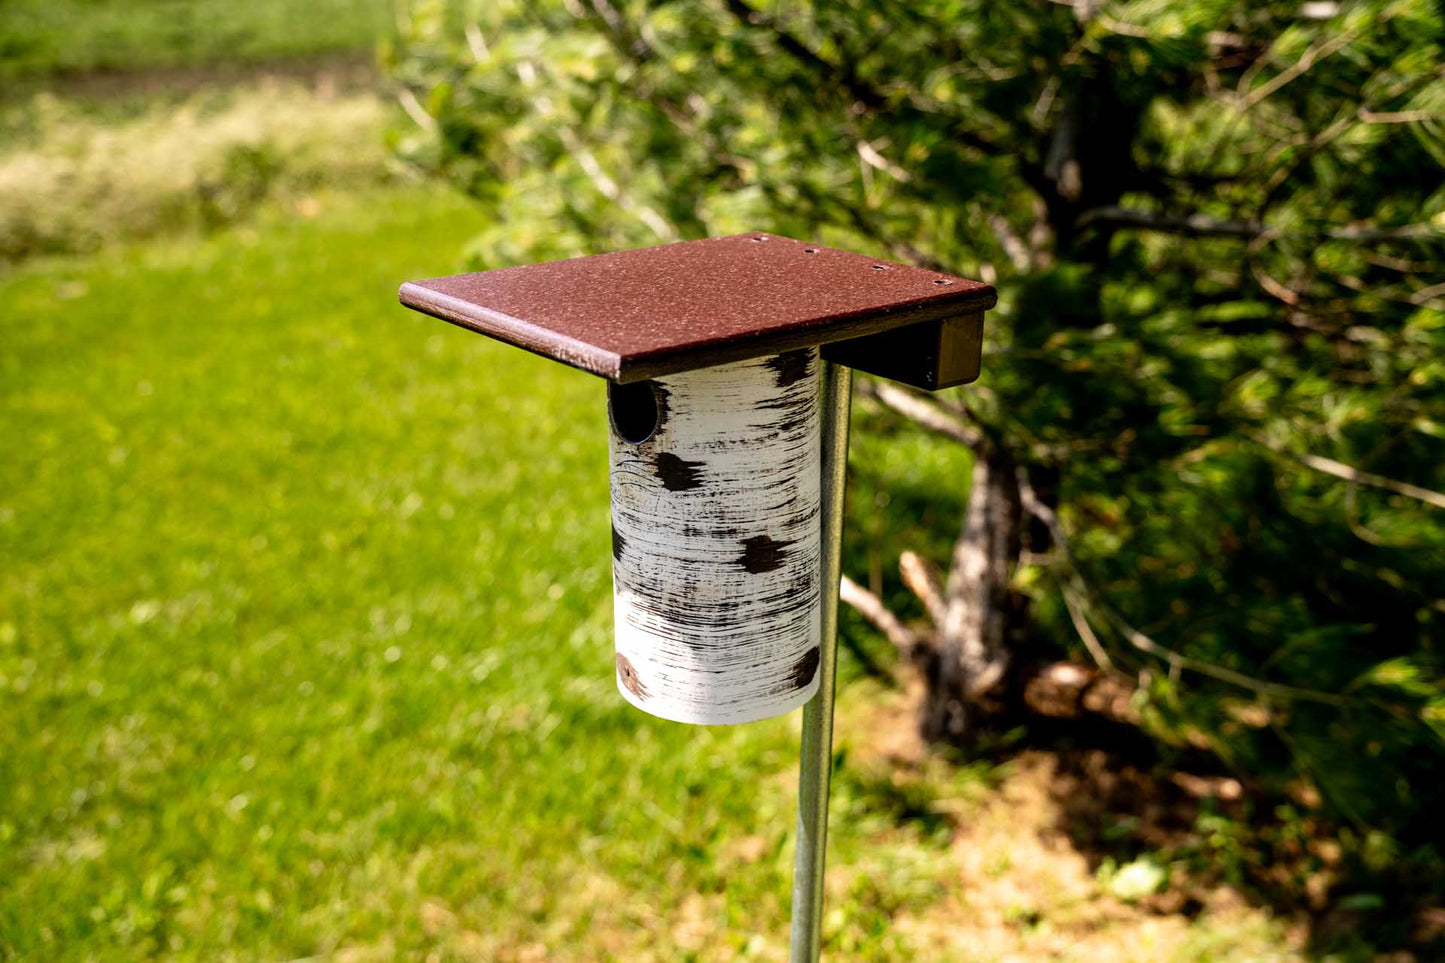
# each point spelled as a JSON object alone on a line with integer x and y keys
{"x": 980, "y": 615}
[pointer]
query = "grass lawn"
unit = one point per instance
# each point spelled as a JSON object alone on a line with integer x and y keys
{"x": 305, "y": 652}
{"x": 305, "y": 635}
{"x": 305, "y": 613}
{"x": 39, "y": 37}
{"x": 305, "y": 620}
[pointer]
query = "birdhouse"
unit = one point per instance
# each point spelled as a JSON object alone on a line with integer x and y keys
{"x": 712, "y": 350}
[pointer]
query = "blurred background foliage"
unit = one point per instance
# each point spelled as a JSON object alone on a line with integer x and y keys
{"x": 251, "y": 708}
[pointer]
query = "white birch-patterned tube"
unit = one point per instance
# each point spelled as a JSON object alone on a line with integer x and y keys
{"x": 715, "y": 539}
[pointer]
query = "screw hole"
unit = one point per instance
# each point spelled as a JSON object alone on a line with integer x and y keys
{"x": 942, "y": 281}
{"x": 880, "y": 267}
{"x": 634, "y": 410}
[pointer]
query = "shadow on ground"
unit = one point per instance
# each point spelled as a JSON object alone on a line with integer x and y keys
{"x": 1177, "y": 839}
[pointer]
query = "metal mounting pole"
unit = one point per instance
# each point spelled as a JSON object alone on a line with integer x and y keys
{"x": 815, "y": 766}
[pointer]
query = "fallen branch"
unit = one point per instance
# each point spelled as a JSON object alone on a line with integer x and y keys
{"x": 1067, "y": 690}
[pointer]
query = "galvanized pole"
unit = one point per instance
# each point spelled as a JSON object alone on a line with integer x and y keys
{"x": 815, "y": 766}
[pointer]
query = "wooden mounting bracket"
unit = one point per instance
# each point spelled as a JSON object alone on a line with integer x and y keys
{"x": 931, "y": 355}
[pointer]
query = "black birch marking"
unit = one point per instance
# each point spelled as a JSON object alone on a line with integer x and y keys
{"x": 807, "y": 668}
{"x": 679, "y": 474}
{"x": 762, "y": 554}
{"x": 791, "y": 366}
{"x": 716, "y": 544}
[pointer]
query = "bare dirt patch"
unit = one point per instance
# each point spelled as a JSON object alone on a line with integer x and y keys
{"x": 1014, "y": 885}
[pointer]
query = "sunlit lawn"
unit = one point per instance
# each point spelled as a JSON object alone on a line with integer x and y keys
{"x": 305, "y": 619}
{"x": 305, "y": 644}
{"x": 305, "y": 605}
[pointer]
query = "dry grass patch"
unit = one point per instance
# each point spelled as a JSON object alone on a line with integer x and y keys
{"x": 206, "y": 160}
{"x": 1011, "y": 885}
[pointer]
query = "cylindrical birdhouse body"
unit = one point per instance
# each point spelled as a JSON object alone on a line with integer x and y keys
{"x": 716, "y": 461}
{"x": 715, "y": 539}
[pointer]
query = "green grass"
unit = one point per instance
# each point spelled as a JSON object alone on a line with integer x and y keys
{"x": 305, "y": 615}
{"x": 39, "y": 37}
{"x": 305, "y": 620}
{"x": 305, "y": 642}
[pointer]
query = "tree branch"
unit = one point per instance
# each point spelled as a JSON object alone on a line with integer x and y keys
{"x": 1017, "y": 251}
{"x": 1200, "y": 225}
{"x": 929, "y": 416}
{"x": 1349, "y": 473}
{"x": 925, "y": 413}
{"x": 901, "y": 250}
{"x": 922, "y": 579}
{"x": 415, "y": 110}
{"x": 1178, "y": 660}
{"x": 1086, "y": 632}
{"x": 1082, "y": 593}
{"x": 1294, "y": 71}
{"x": 908, "y": 642}
{"x": 844, "y": 76}
{"x": 622, "y": 31}
{"x": 609, "y": 189}
{"x": 857, "y": 88}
